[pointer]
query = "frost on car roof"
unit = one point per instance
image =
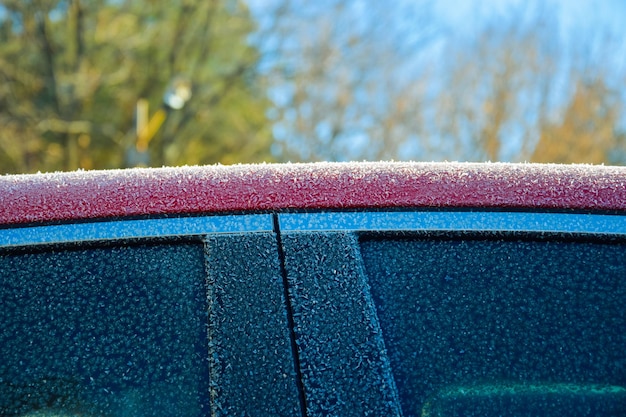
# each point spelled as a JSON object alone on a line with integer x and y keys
{"x": 92, "y": 194}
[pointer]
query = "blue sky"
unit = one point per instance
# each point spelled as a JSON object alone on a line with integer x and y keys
{"x": 573, "y": 14}
{"x": 599, "y": 25}
{"x": 462, "y": 17}
{"x": 576, "y": 19}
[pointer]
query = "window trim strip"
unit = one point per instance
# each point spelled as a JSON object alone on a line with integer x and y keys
{"x": 480, "y": 221}
{"x": 134, "y": 229}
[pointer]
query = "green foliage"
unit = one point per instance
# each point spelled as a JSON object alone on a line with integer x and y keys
{"x": 71, "y": 73}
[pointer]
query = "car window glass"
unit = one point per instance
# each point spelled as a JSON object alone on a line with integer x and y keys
{"x": 502, "y": 327}
{"x": 104, "y": 331}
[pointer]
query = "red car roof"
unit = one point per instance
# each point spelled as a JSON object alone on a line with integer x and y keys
{"x": 212, "y": 189}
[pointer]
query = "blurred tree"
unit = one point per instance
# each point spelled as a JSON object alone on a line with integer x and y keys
{"x": 342, "y": 83}
{"x": 497, "y": 89}
{"x": 586, "y": 131}
{"x": 71, "y": 72}
{"x": 515, "y": 93}
{"x": 359, "y": 79}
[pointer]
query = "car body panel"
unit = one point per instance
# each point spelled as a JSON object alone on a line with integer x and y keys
{"x": 401, "y": 289}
